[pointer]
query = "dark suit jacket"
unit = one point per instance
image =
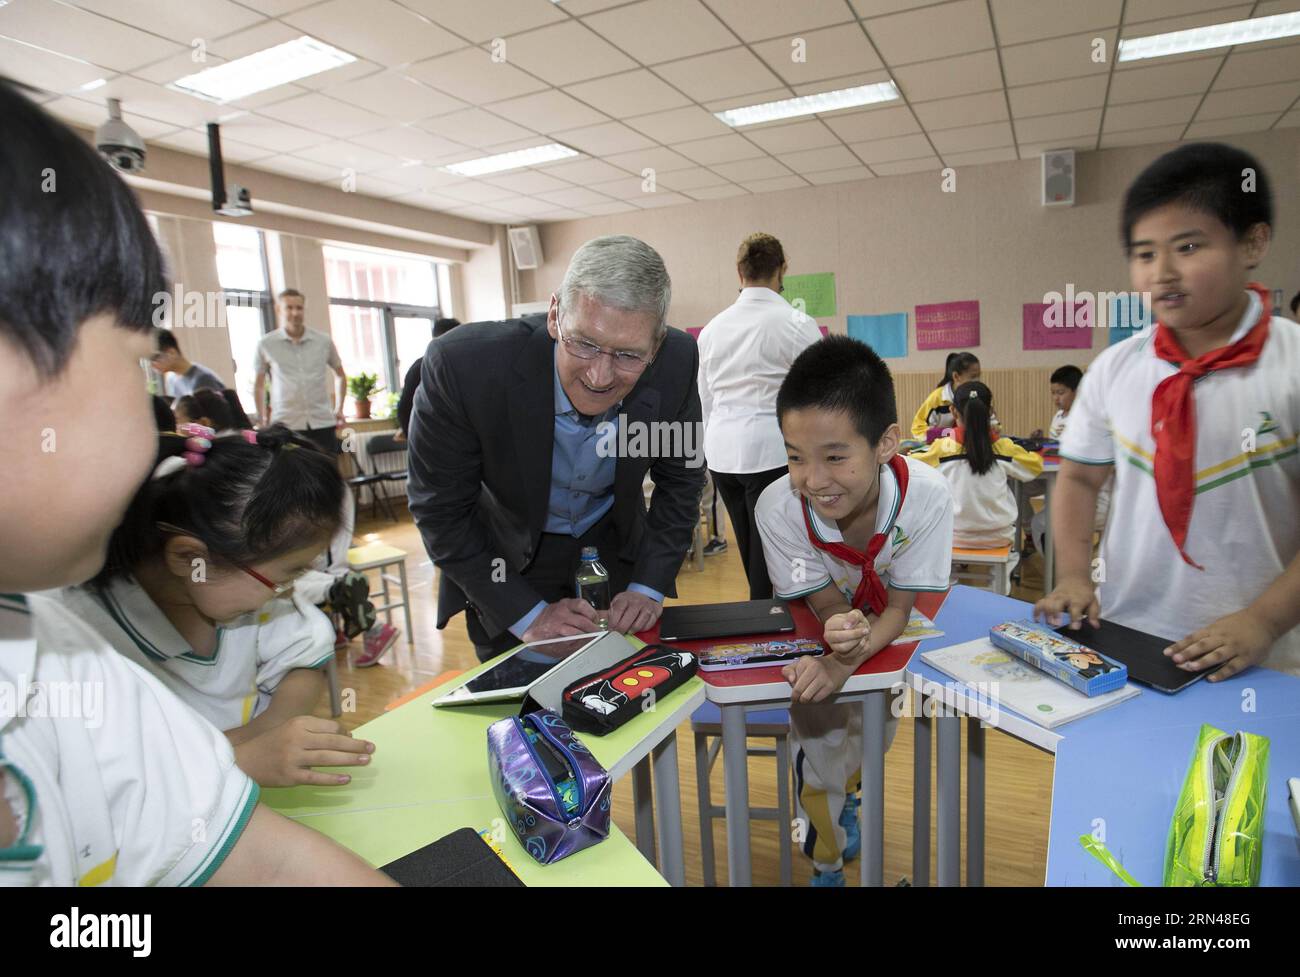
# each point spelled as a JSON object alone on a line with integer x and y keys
{"x": 481, "y": 439}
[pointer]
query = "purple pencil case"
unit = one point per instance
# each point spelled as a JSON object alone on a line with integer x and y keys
{"x": 553, "y": 793}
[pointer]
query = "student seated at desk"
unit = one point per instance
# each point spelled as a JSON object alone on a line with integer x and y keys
{"x": 1198, "y": 420}
{"x": 1065, "y": 384}
{"x": 977, "y": 465}
{"x": 856, "y": 529}
{"x": 111, "y": 790}
{"x": 198, "y": 590}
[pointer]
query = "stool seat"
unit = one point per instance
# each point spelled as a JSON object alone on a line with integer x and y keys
{"x": 998, "y": 555}
{"x": 374, "y": 555}
{"x": 380, "y": 556}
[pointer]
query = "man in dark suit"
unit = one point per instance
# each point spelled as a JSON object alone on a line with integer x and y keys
{"x": 515, "y": 460}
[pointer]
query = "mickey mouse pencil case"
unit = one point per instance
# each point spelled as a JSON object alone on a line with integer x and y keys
{"x": 603, "y": 702}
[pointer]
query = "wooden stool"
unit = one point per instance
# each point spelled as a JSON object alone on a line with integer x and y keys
{"x": 1000, "y": 562}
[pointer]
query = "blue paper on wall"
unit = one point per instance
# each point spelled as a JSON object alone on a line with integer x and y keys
{"x": 1128, "y": 317}
{"x": 886, "y": 334}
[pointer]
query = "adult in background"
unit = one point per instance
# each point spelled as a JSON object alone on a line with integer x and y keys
{"x": 745, "y": 352}
{"x": 511, "y": 467}
{"x": 298, "y": 361}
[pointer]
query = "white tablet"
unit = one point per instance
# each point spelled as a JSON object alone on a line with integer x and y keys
{"x": 512, "y": 676}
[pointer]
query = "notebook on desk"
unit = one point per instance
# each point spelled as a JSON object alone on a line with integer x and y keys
{"x": 697, "y": 621}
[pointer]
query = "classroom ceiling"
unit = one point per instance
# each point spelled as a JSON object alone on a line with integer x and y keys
{"x": 635, "y": 84}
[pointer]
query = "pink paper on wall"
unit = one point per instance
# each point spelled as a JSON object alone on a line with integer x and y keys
{"x": 948, "y": 325}
{"x": 1063, "y": 326}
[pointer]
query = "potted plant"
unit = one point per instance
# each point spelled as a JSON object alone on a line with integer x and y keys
{"x": 362, "y": 387}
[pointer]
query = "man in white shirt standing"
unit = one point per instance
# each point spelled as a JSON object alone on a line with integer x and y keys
{"x": 297, "y": 360}
{"x": 745, "y": 352}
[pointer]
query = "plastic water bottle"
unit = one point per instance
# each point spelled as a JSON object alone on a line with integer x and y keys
{"x": 593, "y": 584}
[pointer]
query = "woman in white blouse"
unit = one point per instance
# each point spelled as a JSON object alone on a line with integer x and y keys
{"x": 745, "y": 352}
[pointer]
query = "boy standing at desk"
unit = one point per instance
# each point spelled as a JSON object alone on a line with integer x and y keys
{"x": 856, "y": 530}
{"x": 1198, "y": 419}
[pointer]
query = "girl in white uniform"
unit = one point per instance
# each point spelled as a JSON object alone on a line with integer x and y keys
{"x": 106, "y": 778}
{"x": 181, "y": 595}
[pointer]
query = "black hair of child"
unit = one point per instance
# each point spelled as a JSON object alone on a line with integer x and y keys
{"x": 974, "y": 402}
{"x": 1067, "y": 376}
{"x": 837, "y": 373}
{"x": 210, "y": 404}
{"x": 163, "y": 417}
{"x": 956, "y": 363}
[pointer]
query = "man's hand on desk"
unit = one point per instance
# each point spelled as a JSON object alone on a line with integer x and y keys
{"x": 561, "y": 619}
{"x": 630, "y": 612}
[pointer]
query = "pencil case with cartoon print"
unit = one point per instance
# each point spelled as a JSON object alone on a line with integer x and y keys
{"x": 603, "y": 702}
{"x": 1075, "y": 664}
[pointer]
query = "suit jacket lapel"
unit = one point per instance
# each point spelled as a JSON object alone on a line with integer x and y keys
{"x": 532, "y": 418}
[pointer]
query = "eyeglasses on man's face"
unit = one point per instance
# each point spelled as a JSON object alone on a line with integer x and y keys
{"x": 624, "y": 361}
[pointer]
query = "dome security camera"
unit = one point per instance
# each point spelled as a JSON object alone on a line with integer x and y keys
{"x": 118, "y": 143}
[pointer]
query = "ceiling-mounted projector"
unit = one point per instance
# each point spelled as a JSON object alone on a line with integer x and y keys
{"x": 235, "y": 202}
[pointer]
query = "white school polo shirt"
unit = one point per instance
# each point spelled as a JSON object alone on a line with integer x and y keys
{"x": 301, "y": 376}
{"x": 1245, "y": 523}
{"x": 112, "y": 779}
{"x": 745, "y": 352}
{"x": 918, "y": 555}
{"x": 254, "y": 652}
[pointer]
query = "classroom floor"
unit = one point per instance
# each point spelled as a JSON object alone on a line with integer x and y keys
{"x": 1019, "y": 777}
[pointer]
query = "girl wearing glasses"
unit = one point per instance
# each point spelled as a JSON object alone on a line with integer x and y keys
{"x": 198, "y": 589}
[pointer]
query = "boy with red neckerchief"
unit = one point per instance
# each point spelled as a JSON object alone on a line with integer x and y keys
{"x": 1198, "y": 419}
{"x": 856, "y": 530}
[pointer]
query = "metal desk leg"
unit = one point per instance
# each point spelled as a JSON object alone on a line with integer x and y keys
{"x": 873, "y": 788}
{"x": 735, "y": 761}
{"x": 949, "y": 806}
{"x": 643, "y": 805}
{"x": 922, "y": 733}
{"x": 1049, "y": 551}
{"x": 974, "y": 801}
{"x": 668, "y": 811}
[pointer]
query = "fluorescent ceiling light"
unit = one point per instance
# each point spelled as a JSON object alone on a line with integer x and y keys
{"x": 90, "y": 86}
{"x": 789, "y": 108}
{"x": 1214, "y": 36}
{"x": 511, "y": 161}
{"x": 265, "y": 69}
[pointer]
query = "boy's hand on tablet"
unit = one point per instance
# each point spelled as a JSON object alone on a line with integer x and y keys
{"x": 1238, "y": 639}
{"x": 284, "y": 755}
{"x": 813, "y": 679}
{"x": 1071, "y": 601}
{"x": 846, "y": 634}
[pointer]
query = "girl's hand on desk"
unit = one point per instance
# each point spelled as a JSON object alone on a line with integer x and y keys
{"x": 1238, "y": 639}
{"x": 813, "y": 679}
{"x": 284, "y": 755}
{"x": 846, "y": 634}
{"x": 1070, "y": 602}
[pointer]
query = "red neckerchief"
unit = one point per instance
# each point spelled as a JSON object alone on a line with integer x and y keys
{"x": 870, "y": 589}
{"x": 1173, "y": 416}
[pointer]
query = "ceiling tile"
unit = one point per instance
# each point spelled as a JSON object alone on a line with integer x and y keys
{"x": 608, "y": 137}
{"x": 775, "y": 183}
{"x": 573, "y": 197}
{"x": 1033, "y": 20}
{"x": 794, "y": 138}
{"x": 965, "y": 110}
{"x": 1083, "y": 144}
{"x": 408, "y": 142}
{"x": 690, "y": 179}
{"x": 564, "y": 214}
{"x": 1228, "y": 127}
{"x": 752, "y": 98}
{"x": 631, "y": 93}
{"x": 876, "y": 8}
{"x": 424, "y": 178}
{"x": 342, "y": 154}
{"x": 840, "y": 176}
{"x": 80, "y": 34}
{"x": 527, "y": 181}
{"x": 1140, "y": 115}
{"x": 660, "y": 199}
{"x": 613, "y": 207}
{"x": 475, "y": 127}
{"x": 584, "y": 172}
{"x": 826, "y": 53}
{"x": 714, "y": 193}
{"x": 1155, "y": 81}
{"x": 548, "y": 111}
{"x": 328, "y": 80}
{"x": 482, "y": 20}
{"x": 842, "y": 82}
{"x": 91, "y": 114}
{"x": 156, "y": 102}
{"x": 380, "y": 30}
{"x": 45, "y": 69}
{"x": 472, "y": 76}
{"x": 1246, "y": 67}
{"x": 1062, "y": 126}
{"x": 721, "y": 74}
{"x": 259, "y": 37}
{"x": 656, "y": 158}
{"x": 978, "y": 156}
{"x": 565, "y": 53}
{"x": 677, "y": 125}
{"x": 271, "y": 134}
{"x": 928, "y": 163}
{"x": 751, "y": 169}
{"x": 962, "y": 75}
{"x": 812, "y": 160}
{"x": 299, "y": 169}
{"x": 628, "y": 188}
{"x": 654, "y": 31}
{"x": 196, "y": 141}
{"x": 1292, "y": 118}
{"x": 396, "y": 97}
{"x": 720, "y": 149}
{"x": 1142, "y": 137}
{"x": 1136, "y": 11}
{"x": 1048, "y": 97}
{"x": 754, "y": 20}
{"x": 178, "y": 22}
{"x": 1248, "y": 101}
{"x": 524, "y": 206}
{"x": 476, "y": 192}
{"x": 873, "y": 124}
{"x": 1062, "y": 57}
{"x": 932, "y": 32}
{"x": 993, "y": 135}
{"x": 888, "y": 150}
{"x": 326, "y": 115}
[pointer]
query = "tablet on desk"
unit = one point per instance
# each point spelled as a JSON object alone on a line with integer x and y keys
{"x": 512, "y": 677}
{"x": 1141, "y": 653}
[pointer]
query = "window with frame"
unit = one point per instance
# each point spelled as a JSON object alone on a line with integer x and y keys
{"x": 245, "y": 281}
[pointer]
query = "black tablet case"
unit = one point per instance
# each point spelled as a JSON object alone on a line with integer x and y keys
{"x": 461, "y": 858}
{"x": 1142, "y": 654}
{"x": 690, "y": 622}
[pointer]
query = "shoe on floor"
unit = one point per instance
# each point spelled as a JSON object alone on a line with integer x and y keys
{"x": 341, "y": 640}
{"x": 378, "y": 640}
{"x": 715, "y": 546}
{"x": 852, "y": 832}
{"x": 828, "y": 880}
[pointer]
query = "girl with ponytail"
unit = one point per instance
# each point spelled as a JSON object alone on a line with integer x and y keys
{"x": 198, "y": 590}
{"x": 977, "y": 462}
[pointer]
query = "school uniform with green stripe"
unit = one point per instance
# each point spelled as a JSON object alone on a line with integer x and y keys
{"x": 233, "y": 684}
{"x": 1245, "y": 523}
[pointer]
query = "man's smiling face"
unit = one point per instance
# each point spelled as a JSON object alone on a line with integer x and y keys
{"x": 593, "y": 386}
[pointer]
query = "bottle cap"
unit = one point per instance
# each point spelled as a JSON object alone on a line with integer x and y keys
{"x": 590, "y": 554}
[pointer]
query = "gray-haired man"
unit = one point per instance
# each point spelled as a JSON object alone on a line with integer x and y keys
{"x": 511, "y": 467}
